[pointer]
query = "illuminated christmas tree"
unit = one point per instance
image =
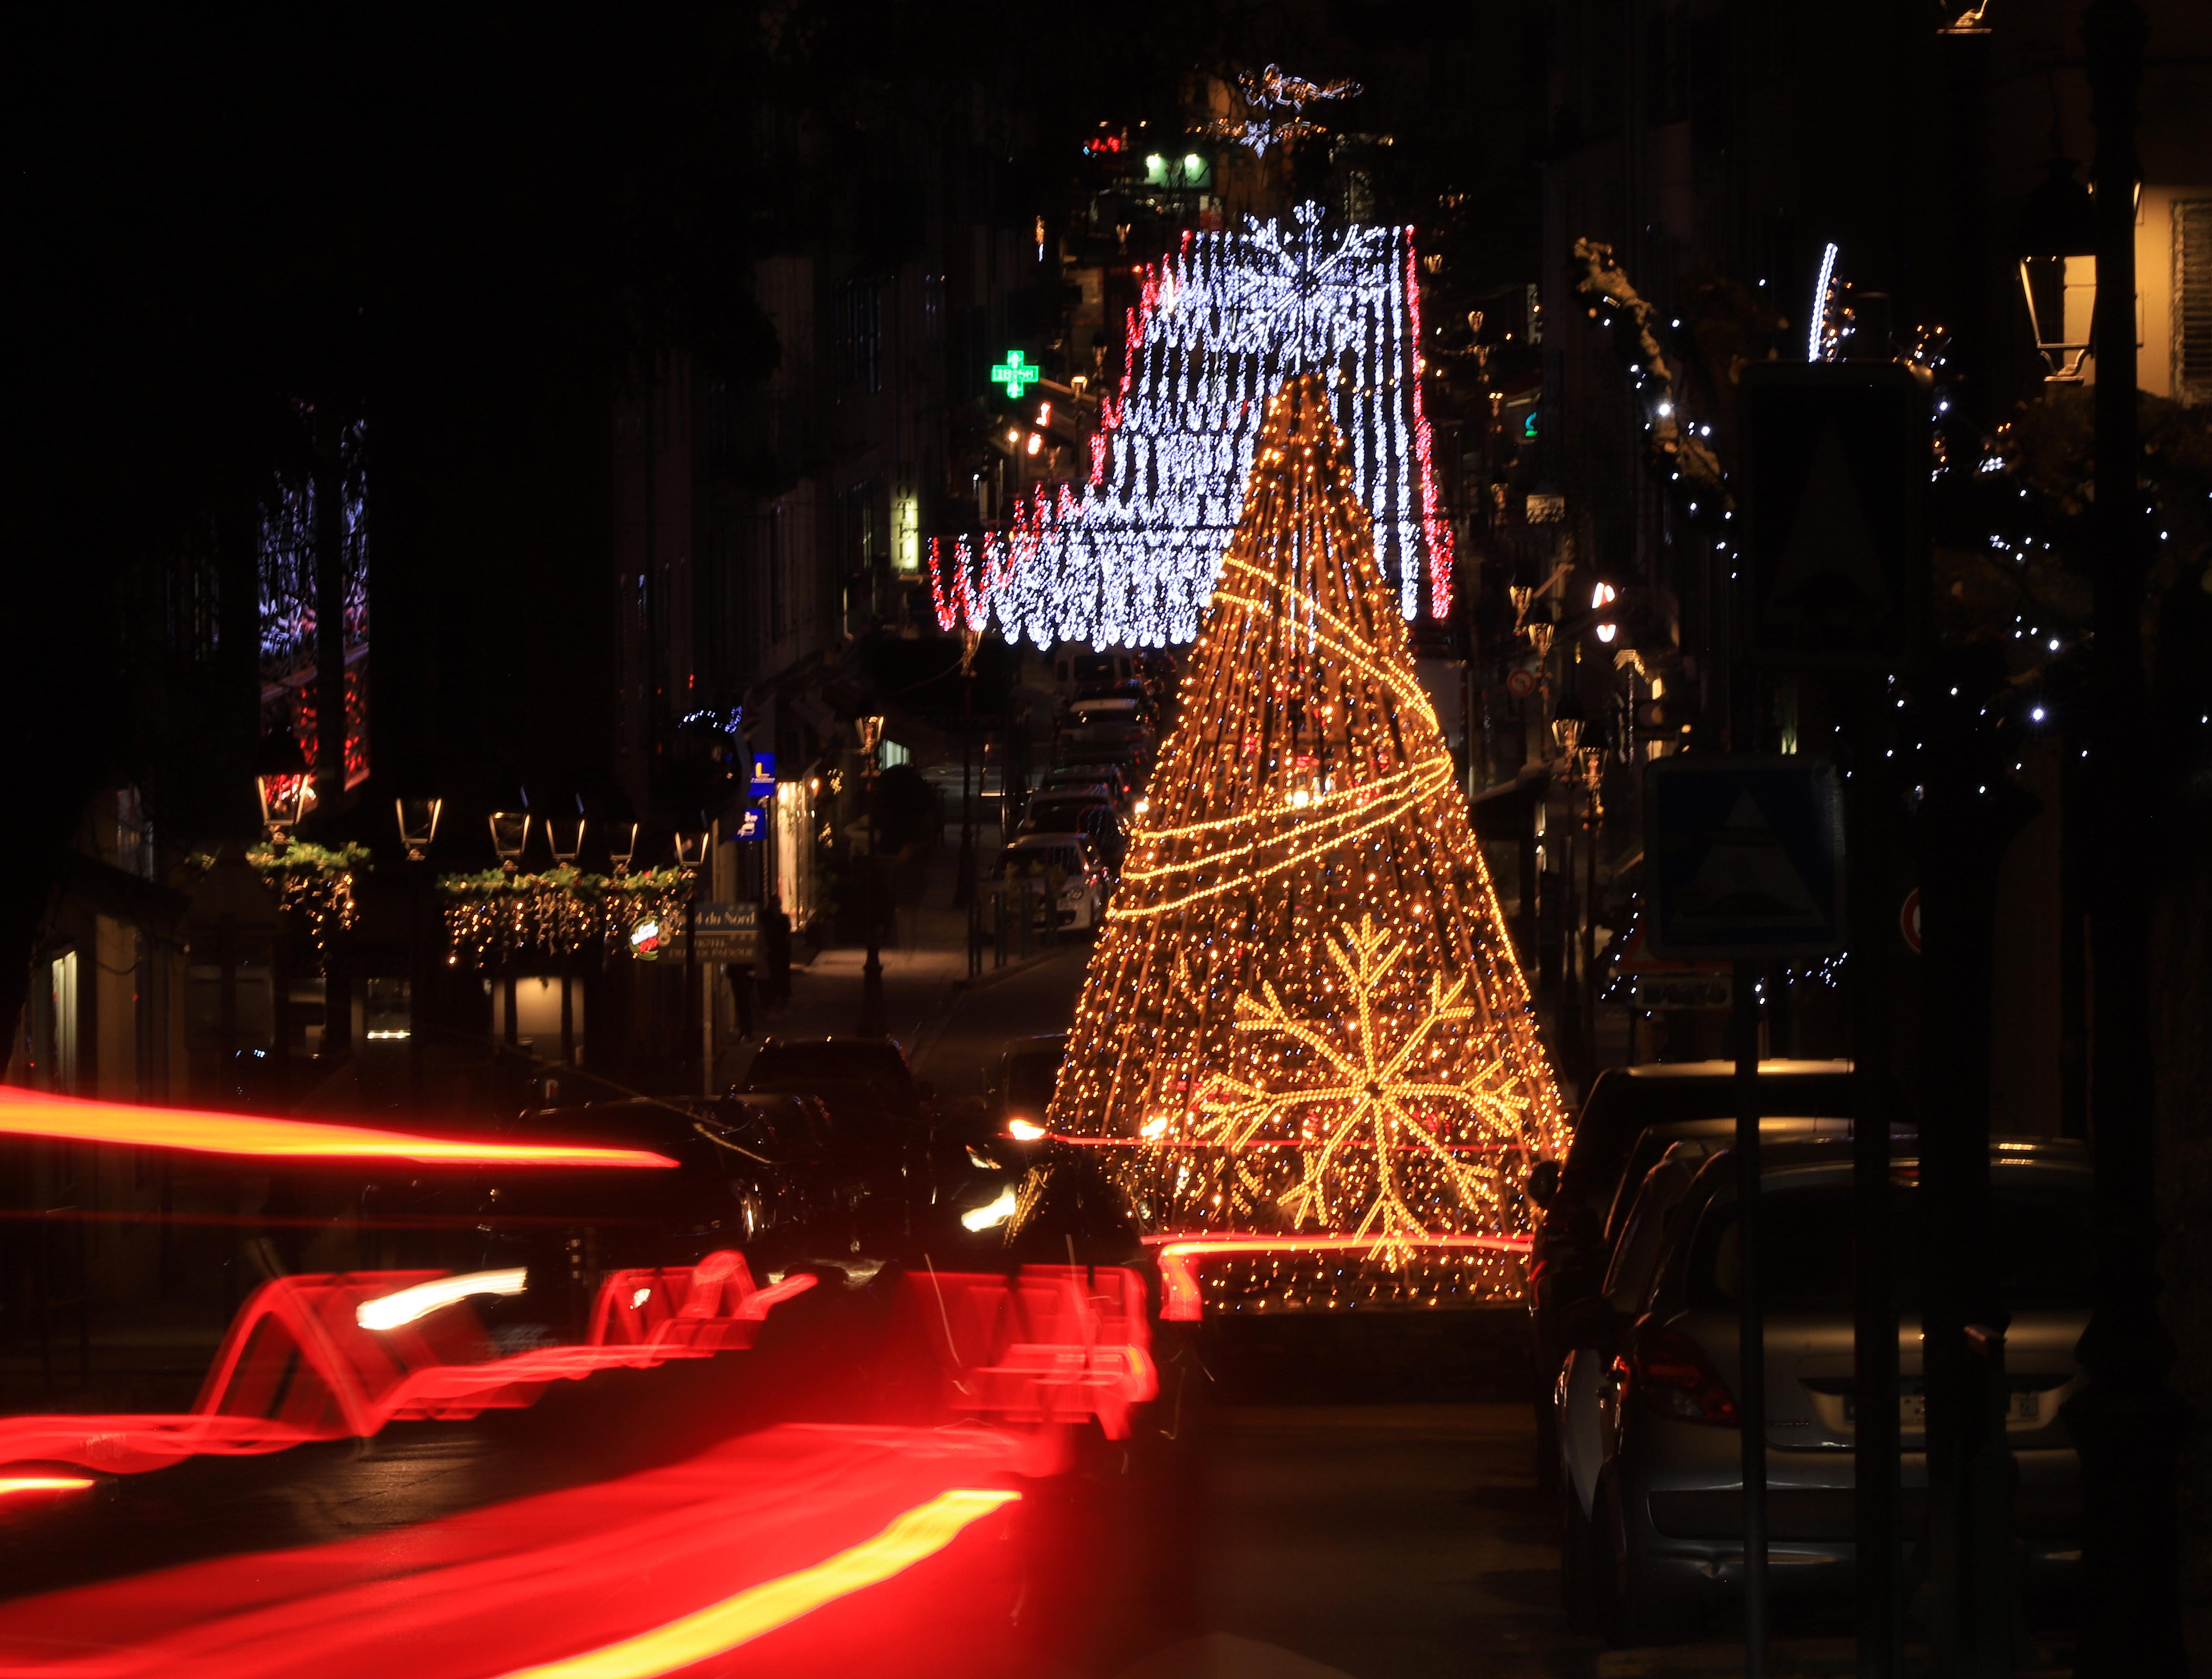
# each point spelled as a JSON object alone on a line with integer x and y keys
{"x": 1303, "y": 1014}
{"x": 1131, "y": 558}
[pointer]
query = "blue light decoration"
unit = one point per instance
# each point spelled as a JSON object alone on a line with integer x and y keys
{"x": 1130, "y": 558}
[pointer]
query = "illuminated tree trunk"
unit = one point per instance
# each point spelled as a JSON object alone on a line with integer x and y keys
{"x": 1304, "y": 1013}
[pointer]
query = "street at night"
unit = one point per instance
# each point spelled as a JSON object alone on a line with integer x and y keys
{"x": 1364, "y": 840}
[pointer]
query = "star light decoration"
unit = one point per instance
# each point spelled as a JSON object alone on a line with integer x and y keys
{"x": 1133, "y": 559}
{"x": 1304, "y": 1012}
{"x": 1277, "y": 105}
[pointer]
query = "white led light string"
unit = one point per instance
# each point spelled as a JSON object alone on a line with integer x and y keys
{"x": 1133, "y": 558}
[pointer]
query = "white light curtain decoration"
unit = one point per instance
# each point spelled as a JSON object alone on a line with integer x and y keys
{"x": 1131, "y": 559}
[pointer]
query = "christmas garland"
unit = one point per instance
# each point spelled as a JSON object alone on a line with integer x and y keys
{"x": 557, "y": 912}
{"x": 314, "y": 885}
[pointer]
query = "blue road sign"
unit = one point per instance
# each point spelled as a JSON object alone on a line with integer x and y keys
{"x": 763, "y": 784}
{"x": 1743, "y": 858}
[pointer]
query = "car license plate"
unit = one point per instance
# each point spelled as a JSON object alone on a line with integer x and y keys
{"x": 1912, "y": 1408}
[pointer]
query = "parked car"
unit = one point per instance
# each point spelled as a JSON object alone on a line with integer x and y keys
{"x": 1574, "y": 1239}
{"x": 1089, "y": 813}
{"x": 1661, "y": 1165}
{"x": 1105, "y": 778}
{"x": 1068, "y": 860}
{"x": 1130, "y": 761}
{"x": 1666, "y": 1524}
{"x": 1110, "y": 708}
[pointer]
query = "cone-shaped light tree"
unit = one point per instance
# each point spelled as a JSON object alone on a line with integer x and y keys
{"x": 1304, "y": 1013}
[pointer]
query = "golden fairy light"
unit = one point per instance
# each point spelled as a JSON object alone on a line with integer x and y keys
{"x": 1304, "y": 1013}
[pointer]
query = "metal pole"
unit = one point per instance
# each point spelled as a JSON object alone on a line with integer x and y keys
{"x": 2126, "y": 1423}
{"x": 1751, "y": 1323}
{"x": 871, "y": 973}
{"x": 963, "y": 890}
{"x": 1873, "y": 1336}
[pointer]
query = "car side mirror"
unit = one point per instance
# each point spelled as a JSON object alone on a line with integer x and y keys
{"x": 1543, "y": 1184}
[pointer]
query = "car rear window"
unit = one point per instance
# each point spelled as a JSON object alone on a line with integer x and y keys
{"x": 1619, "y": 1109}
{"x": 2038, "y": 1248}
{"x": 873, "y": 1069}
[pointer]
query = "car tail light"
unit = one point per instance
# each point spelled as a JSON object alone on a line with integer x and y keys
{"x": 1674, "y": 1378}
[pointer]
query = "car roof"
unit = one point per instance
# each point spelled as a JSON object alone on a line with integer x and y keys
{"x": 1775, "y": 1067}
{"x": 1036, "y": 1044}
{"x": 2056, "y": 1153}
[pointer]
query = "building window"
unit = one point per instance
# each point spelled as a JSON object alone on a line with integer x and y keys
{"x": 60, "y": 983}
{"x": 2192, "y": 301}
{"x": 932, "y": 309}
{"x": 862, "y": 323}
{"x": 778, "y": 612}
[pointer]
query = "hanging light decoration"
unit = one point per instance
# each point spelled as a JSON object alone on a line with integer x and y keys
{"x": 1132, "y": 559}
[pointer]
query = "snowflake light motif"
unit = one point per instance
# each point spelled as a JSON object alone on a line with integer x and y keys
{"x": 1381, "y": 1110}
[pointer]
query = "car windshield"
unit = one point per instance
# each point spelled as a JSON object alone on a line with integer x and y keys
{"x": 1031, "y": 1076}
{"x": 2038, "y": 1249}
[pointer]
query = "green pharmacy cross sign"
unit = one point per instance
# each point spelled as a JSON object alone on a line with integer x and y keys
{"x": 1016, "y": 374}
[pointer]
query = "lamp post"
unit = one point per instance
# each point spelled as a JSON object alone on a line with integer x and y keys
{"x": 510, "y": 838}
{"x": 2058, "y": 270}
{"x": 690, "y": 853}
{"x": 283, "y": 784}
{"x": 963, "y": 887}
{"x": 2125, "y": 1422}
{"x": 418, "y": 830}
{"x": 872, "y": 974}
{"x": 566, "y": 838}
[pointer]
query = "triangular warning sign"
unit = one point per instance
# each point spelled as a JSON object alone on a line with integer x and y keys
{"x": 1747, "y": 879}
{"x": 1830, "y": 570}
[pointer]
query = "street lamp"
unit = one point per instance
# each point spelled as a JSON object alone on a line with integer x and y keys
{"x": 566, "y": 838}
{"x": 1567, "y": 721}
{"x": 872, "y": 974}
{"x": 510, "y": 837}
{"x": 2059, "y": 269}
{"x": 418, "y": 825}
{"x": 621, "y": 845}
{"x": 283, "y": 784}
{"x": 418, "y": 829}
{"x": 690, "y": 855}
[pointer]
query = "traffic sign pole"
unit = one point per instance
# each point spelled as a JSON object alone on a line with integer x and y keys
{"x": 1750, "y": 1321}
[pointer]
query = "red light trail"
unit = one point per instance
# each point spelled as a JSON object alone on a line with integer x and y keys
{"x": 922, "y": 1532}
{"x": 70, "y": 1119}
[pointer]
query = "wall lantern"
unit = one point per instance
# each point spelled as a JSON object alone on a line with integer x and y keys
{"x": 621, "y": 845}
{"x": 285, "y": 788}
{"x": 567, "y": 839}
{"x": 1567, "y": 721}
{"x": 418, "y": 825}
{"x": 2058, "y": 270}
{"x": 510, "y": 836}
{"x": 692, "y": 849}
